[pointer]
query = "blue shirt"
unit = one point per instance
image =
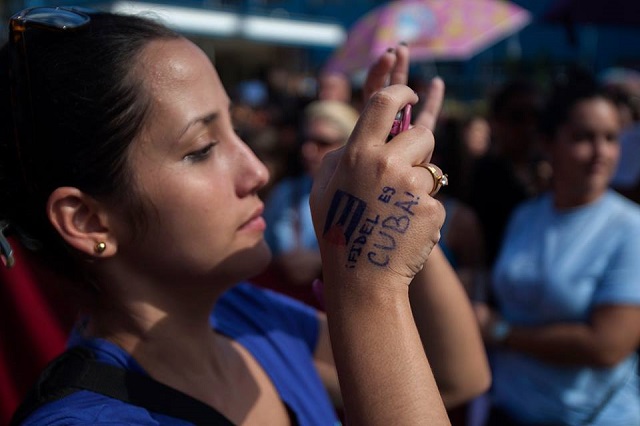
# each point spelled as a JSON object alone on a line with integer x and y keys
{"x": 280, "y": 333}
{"x": 288, "y": 216}
{"x": 556, "y": 266}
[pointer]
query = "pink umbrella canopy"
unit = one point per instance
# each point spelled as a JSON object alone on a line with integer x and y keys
{"x": 433, "y": 29}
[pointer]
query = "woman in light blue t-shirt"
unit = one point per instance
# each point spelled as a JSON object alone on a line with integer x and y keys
{"x": 567, "y": 282}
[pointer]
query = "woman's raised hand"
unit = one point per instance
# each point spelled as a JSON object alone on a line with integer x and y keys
{"x": 376, "y": 226}
{"x": 370, "y": 203}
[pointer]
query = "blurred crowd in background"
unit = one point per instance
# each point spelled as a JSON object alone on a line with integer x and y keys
{"x": 497, "y": 154}
{"x": 492, "y": 147}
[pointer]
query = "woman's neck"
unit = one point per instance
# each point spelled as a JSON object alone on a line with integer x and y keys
{"x": 187, "y": 355}
{"x": 568, "y": 199}
{"x": 162, "y": 325}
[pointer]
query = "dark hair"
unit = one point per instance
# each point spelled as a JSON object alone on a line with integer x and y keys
{"x": 88, "y": 105}
{"x": 566, "y": 94}
{"x": 623, "y": 97}
{"x": 500, "y": 101}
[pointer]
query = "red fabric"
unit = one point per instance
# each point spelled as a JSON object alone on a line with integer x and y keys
{"x": 35, "y": 319}
{"x": 272, "y": 279}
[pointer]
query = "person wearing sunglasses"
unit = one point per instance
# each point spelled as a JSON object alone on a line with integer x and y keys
{"x": 120, "y": 167}
{"x": 326, "y": 126}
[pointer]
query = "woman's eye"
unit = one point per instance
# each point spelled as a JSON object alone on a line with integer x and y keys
{"x": 200, "y": 154}
{"x": 581, "y": 136}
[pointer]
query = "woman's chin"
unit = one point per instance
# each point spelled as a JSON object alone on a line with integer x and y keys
{"x": 256, "y": 260}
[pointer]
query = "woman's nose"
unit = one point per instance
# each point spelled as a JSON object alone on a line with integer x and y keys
{"x": 254, "y": 174}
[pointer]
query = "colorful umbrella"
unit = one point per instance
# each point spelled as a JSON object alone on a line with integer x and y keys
{"x": 433, "y": 29}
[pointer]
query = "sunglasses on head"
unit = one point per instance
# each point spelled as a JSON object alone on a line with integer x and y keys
{"x": 50, "y": 20}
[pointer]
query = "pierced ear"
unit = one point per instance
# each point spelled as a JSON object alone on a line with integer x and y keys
{"x": 82, "y": 221}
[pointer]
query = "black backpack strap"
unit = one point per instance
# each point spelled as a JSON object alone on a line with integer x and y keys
{"x": 76, "y": 369}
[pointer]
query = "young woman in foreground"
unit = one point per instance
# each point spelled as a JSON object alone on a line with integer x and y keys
{"x": 120, "y": 164}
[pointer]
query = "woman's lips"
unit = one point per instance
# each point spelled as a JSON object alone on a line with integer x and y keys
{"x": 256, "y": 222}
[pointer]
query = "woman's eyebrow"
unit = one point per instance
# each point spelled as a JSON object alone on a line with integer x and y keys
{"x": 205, "y": 119}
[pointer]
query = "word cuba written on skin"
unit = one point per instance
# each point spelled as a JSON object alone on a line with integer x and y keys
{"x": 346, "y": 225}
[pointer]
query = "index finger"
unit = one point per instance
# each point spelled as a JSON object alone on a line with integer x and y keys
{"x": 400, "y": 70}
{"x": 392, "y": 67}
{"x": 378, "y": 74}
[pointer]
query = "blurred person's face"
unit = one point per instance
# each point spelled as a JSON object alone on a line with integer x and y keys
{"x": 320, "y": 137}
{"x": 476, "y": 136}
{"x": 585, "y": 150}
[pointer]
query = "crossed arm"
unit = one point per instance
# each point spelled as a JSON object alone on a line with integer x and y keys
{"x": 447, "y": 328}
